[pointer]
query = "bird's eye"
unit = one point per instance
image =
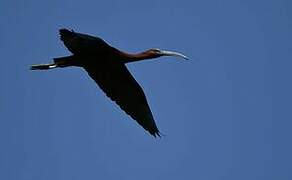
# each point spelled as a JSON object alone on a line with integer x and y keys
{"x": 156, "y": 50}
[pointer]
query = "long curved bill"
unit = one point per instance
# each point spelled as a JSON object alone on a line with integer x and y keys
{"x": 172, "y": 53}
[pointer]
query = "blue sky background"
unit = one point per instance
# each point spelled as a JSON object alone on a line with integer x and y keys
{"x": 226, "y": 113}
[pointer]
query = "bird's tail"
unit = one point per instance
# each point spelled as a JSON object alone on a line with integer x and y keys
{"x": 43, "y": 66}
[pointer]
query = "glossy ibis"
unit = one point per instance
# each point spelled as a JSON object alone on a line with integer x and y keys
{"x": 106, "y": 66}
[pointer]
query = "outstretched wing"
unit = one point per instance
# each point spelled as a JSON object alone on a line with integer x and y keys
{"x": 84, "y": 44}
{"x": 120, "y": 86}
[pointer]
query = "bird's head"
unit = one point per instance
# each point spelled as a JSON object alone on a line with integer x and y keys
{"x": 154, "y": 53}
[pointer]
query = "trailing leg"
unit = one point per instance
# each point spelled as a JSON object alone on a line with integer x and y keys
{"x": 58, "y": 62}
{"x": 43, "y": 66}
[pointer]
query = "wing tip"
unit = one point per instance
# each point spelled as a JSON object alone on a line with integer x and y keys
{"x": 65, "y": 33}
{"x": 156, "y": 134}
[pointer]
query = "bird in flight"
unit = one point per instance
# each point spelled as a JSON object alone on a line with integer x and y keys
{"x": 106, "y": 65}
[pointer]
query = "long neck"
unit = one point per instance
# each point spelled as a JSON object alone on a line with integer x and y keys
{"x": 128, "y": 57}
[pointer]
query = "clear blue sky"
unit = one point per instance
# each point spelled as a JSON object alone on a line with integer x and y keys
{"x": 226, "y": 113}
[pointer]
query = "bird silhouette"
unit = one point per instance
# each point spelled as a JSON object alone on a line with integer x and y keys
{"x": 106, "y": 66}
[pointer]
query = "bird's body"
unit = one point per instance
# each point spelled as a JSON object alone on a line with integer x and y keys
{"x": 106, "y": 66}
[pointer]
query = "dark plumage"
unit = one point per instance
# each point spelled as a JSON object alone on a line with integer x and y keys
{"x": 106, "y": 66}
